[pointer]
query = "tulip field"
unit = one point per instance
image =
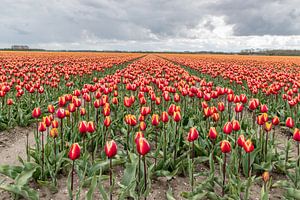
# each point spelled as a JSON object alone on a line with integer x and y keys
{"x": 149, "y": 126}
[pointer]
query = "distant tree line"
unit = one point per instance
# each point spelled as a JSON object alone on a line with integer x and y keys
{"x": 271, "y": 52}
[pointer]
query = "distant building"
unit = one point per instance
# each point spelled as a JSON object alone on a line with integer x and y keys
{"x": 20, "y": 47}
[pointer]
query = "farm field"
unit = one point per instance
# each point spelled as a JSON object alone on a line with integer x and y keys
{"x": 149, "y": 126}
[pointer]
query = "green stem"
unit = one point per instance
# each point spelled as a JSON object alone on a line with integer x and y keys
{"x": 145, "y": 174}
{"x": 110, "y": 178}
{"x": 224, "y": 174}
{"x": 193, "y": 155}
{"x": 61, "y": 134}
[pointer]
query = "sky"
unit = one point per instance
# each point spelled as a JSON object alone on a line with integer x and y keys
{"x": 151, "y": 25}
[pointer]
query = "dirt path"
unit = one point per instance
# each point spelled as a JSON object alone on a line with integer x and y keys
{"x": 12, "y": 144}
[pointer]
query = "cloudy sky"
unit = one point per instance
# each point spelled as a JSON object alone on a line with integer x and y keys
{"x": 161, "y": 25}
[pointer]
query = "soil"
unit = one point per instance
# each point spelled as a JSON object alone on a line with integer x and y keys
{"x": 12, "y": 145}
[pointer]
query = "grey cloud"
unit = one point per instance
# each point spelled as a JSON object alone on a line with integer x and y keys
{"x": 130, "y": 23}
{"x": 257, "y": 17}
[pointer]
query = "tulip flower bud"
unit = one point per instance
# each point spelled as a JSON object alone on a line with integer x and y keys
{"x": 9, "y": 102}
{"x": 266, "y": 176}
{"x": 110, "y": 148}
{"x": 107, "y": 121}
{"x": 289, "y": 122}
{"x": 142, "y": 146}
{"x": 275, "y": 121}
{"x": 91, "y": 127}
{"x": 268, "y": 126}
{"x": 177, "y": 116}
{"x": 227, "y": 129}
{"x": 296, "y": 135}
{"x": 212, "y": 134}
{"x": 155, "y": 120}
{"x": 225, "y": 146}
{"x": 54, "y": 124}
{"x": 241, "y": 141}
{"x": 193, "y": 134}
{"x": 143, "y": 126}
{"x": 42, "y": 127}
{"x": 36, "y": 113}
{"x": 74, "y": 152}
{"x": 61, "y": 113}
{"x": 221, "y": 106}
{"x": 83, "y": 127}
{"x": 137, "y": 136}
{"x": 264, "y": 108}
{"x": 164, "y": 117}
{"x": 248, "y": 146}
{"x": 54, "y": 133}
{"x": 236, "y": 125}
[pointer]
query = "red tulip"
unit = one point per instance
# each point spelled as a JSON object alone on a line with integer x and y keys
{"x": 51, "y": 108}
{"x": 171, "y": 109}
{"x": 260, "y": 121}
{"x": 130, "y": 120}
{"x": 91, "y": 127}
{"x": 176, "y": 97}
{"x": 83, "y": 127}
{"x": 252, "y": 104}
{"x": 236, "y": 125}
{"x": 110, "y": 148}
{"x": 138, "y": 135}
{"x": 264, "y": 108}
{"x": 248, "y": 146}
{"x": 42, "y": 127}
{"x": 157, "y": 100}
{"x": 71, "y": 107}
{"x": 177, "y": 116}
{"x": 289, "y": 122}
{"x": 296, "y": 135}
{"x": 212, "y": 134}
{"x": 143, "y": 126}
{"x": 215, "y": 117}
{"x": 115, "y": 100}
{"x": 238, "y": 107}
{"x": 82, "y": 111}
{"x": 145, "y": 111}
{"x": 225, "y": 146}
{"x": 221, "y": 106}
{"x": 204, "y": 104}
{"x": 47, "y": 120}
{"x": 275, "y": 121}
{"x": 127, "y": 101}
{"x": 193, "y": 134}
{"x": 36, "y": 113}
{"x": 142, "y": 146}
{"x": 74, "y": 152}
{"x": 54, "y": 124}
{"x": 9, "y": 102}
{"x": 207, "y": 112}
{"x": 61, "y": 101}
{"x": 61, "y": 113}
{"x": 241, "y": 140}
{"x": 164, "y": 117}
{"x": 155, "y": 119}
{"x": 243, "y": 98}
{"x": 227, "y": 129}
{"x": 107, "y": 121}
